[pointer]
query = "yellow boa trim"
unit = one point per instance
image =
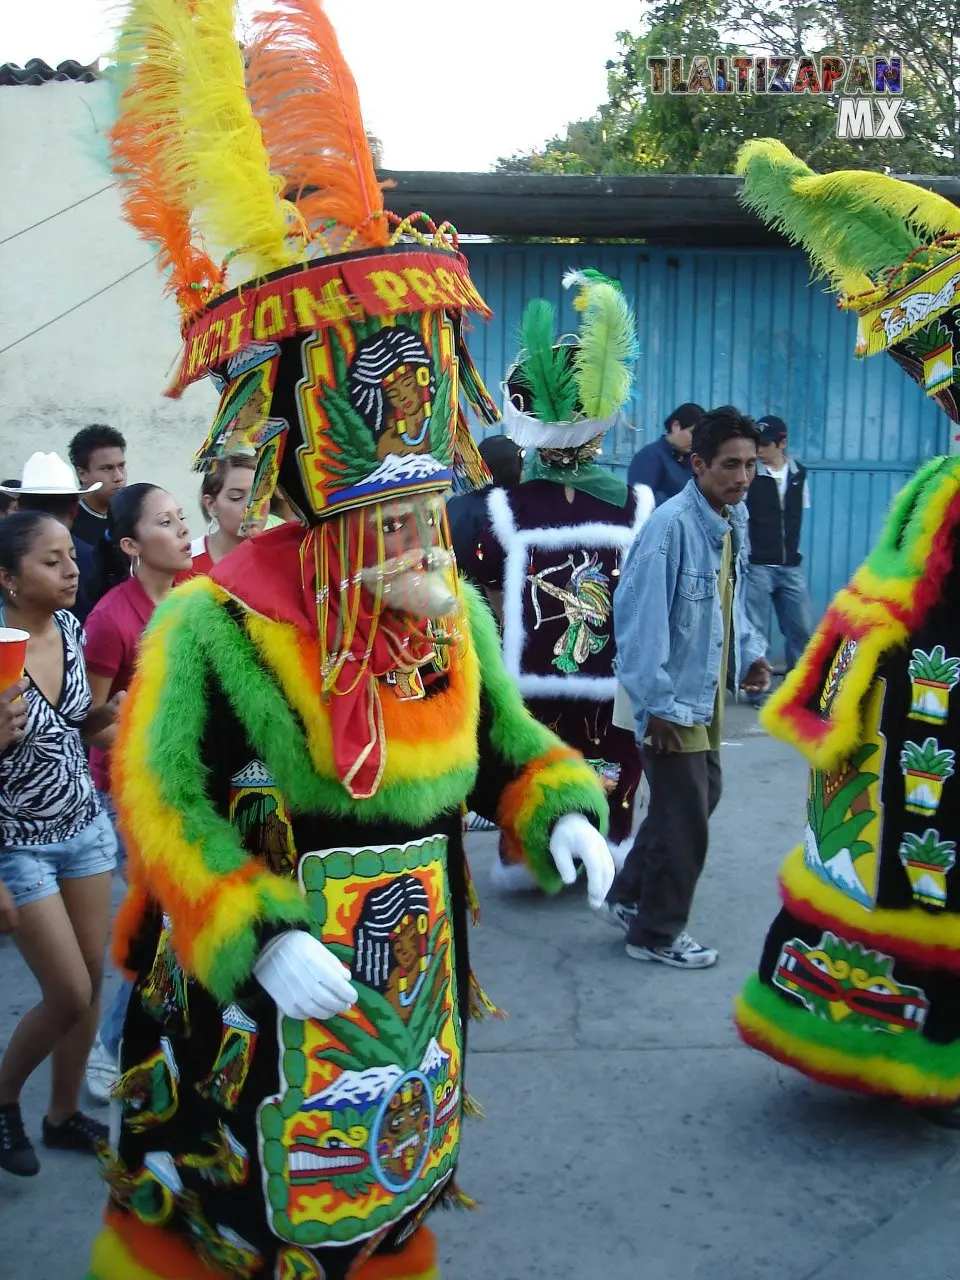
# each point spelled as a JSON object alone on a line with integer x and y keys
{"x": 876, "y": 1074}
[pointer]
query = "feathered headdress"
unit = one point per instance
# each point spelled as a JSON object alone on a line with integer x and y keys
{"x": 889, "y": 248}
{"x": 562, "y": 393}
{"x": 251, "y": 167}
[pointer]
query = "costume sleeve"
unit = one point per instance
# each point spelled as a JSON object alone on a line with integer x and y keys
{"x": 485, "y": 563}
{"x": 183, "y": 854}
{"x": 528, "y": 778}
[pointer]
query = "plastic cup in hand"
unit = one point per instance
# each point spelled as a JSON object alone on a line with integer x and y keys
{"x": 13, "y": 655}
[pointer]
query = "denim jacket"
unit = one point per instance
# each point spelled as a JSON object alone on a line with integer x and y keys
{"x": 668, "y": 617}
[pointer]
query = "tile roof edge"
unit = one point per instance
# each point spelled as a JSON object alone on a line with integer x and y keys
{"x": 36, "y": 72}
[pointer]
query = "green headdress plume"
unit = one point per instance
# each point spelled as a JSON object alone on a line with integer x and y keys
{"x": 546, "y": 369}
{"x": 608, "y": 346}
{"x": 855, "y": 225}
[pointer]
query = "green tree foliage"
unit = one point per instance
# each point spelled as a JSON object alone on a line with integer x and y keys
{"x": 637, "y": 131}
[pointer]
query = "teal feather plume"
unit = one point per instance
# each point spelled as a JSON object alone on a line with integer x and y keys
{"x": 608, "y": 346}
{"x": 545, "y": 370}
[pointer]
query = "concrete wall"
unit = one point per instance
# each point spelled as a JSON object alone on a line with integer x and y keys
{"x": 108, "y": 360}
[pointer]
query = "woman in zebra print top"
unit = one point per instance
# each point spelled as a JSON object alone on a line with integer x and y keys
{"x": 57, "y": 848}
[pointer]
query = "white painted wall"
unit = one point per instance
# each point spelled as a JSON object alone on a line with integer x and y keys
{"x": 108, "y": 360}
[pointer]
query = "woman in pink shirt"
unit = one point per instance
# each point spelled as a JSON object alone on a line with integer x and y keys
{"x": 147, "y": 545}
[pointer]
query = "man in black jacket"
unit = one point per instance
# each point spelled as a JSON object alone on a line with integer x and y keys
{"x": 776, "y": 502}
{"x": 665, "y": 464}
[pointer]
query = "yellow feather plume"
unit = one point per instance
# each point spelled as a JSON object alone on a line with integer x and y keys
{"x": 926, "y": 213}
{"x": 187, "y": 75}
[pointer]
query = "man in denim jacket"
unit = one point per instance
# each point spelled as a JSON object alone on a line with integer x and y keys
{"x": 680, "y": 605}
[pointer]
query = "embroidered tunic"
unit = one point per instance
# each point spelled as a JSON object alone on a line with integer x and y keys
{"x": 275, "y": 1146}
{"x": 859, "y": 980}
{"x": 558, "y": 565}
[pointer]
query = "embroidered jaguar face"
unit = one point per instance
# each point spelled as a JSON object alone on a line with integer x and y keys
{"x": 844, "y": 983}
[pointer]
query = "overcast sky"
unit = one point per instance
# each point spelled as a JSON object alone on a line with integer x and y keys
{"x": 444, "y": 86}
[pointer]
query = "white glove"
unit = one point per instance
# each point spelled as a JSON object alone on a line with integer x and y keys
{"x": 574, "y": 836}
{"x": 303, "y": 978}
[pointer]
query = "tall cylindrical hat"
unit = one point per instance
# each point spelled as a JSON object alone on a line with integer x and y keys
{"x": 332, "y": 328}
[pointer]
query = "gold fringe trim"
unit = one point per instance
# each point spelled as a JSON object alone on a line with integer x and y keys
{"x": 481, "y": 1006}
{"x": 454, "y": 1198}
{"x": 472, "y": 1108}
{"x": 473, "y": 899}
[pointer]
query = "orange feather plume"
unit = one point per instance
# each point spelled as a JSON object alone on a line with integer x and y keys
{"x": 305, "y": 100}
{"x": 138, "y": 141}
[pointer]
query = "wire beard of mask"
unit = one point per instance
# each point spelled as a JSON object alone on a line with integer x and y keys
{"x": 572, "y": 458}
{"x": 417, "y": 575}
{"x": 387, "y": 590}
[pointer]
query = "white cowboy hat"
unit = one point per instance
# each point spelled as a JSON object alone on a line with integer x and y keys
{"x": 47, "y": 473}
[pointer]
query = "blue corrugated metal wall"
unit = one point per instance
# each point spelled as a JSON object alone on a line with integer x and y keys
{"x": 741, "y": 327}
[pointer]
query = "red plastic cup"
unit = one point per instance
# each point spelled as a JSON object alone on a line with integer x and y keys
{"x": 13, "y": 655}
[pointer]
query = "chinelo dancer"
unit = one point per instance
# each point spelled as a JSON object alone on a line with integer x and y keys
{"x": 554, "y": 544}
{"x": 309, "y": 720}
{"x": 859, "y": 980}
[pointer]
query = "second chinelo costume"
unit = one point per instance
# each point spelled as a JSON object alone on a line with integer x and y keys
{"x": 859, "y": 980}
{"x": 554, "y": 544}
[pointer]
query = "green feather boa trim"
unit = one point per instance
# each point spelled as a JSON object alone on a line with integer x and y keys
{"x": 277, "y": 736}
{"x": 813, "y": 1041}
{"x": 174, "y": 758}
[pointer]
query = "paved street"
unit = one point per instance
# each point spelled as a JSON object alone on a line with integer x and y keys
{"x": 629, "y": 1136}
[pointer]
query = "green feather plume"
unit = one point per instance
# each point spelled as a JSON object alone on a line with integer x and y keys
{"x": 544, "y": 370}
{"x": 604, "y": 358}
{"x": 854, "y": 225}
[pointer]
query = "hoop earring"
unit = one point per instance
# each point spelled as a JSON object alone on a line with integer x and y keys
{"x": 134, "y": 566}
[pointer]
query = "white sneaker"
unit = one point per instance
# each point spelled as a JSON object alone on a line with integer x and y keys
{"x": 512, "y": 877}
{"x": 618, "y": 914}
{"x": 102, "y": 1073}
{"x": 473, "y": 822}
{"x": 683, "y": 953}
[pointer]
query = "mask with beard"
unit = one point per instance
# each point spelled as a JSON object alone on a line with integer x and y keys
{"x": 414, "y": 569}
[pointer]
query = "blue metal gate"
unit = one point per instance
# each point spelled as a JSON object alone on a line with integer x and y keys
{"x": 743, "y": 327}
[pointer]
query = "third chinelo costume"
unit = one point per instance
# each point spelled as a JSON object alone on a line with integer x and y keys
{"x": 859, "y": 980}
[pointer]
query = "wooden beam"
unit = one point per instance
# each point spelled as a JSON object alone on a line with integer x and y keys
{"x": 663, "y": 208}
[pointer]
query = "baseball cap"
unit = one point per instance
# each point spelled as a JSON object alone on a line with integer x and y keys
{"x": 772, "y": 429}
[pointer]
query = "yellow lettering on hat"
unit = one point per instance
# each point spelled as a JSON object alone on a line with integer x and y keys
{"x": 269, "y": 317}
{"x": 216, "y": 341}
{"x": 334, "y": 303}
{"x": 425, "y": 286}
{"x": 235, "y": 334}
{"x": 389, "y": 287}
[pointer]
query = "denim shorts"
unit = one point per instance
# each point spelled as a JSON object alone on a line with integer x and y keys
{"x": 109, "y": 808}
{"x": 34, "y": 871}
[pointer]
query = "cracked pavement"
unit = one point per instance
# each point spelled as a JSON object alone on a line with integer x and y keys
{"x": 629, "y": 1135}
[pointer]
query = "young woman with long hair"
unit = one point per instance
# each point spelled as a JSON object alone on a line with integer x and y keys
{"x": 146, "y": 545}
{"x": 57, "y": 846}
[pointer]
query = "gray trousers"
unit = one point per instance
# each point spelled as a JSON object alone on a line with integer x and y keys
{"x": 662, "y": 869}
